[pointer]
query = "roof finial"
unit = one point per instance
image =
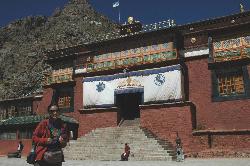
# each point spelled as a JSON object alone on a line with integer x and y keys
{"x": 241, "y": 8}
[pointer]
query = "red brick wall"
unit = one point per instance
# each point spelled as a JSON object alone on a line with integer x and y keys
{"x": 237, "y": 142}
{"x": 214, "y": 115}
{"x": 78, "y": 94}
{"x": 90, "y": 121}
{"x": 42, "y": 106}
{"x": 11, "y": 146}
{"x": 228, "y": 115}
{"x": 165, "y": 122}
{"x": 221, "y": 146}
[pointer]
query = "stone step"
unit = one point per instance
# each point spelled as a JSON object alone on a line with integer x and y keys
{"x": 117, "y": 158}
{"x": 99, "y": 137}
{"x": 138, "y": 148}
{"x": 116, "y": 131}
{"x": 117, "y": 153}
{"x": 115, "y": 135}
{"x": 148, "y": 151}
{"x": 117, "y": 142}
{"x": 139, "y": 133}
{"x": 108, "y": 144}
{"x": 137, "y": 155}
{"x": 149, "y": 148}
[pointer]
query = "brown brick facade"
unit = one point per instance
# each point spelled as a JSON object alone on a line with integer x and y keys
{"x": 89, "y": 121}
{"x": 231, "y": 115}
{"x": 40, "y": 107}
{"x": 165, "y": 122}
{"x": 207, "y": 128}
{"x": 227, "y": 121}
{"x": 11, "y": 146}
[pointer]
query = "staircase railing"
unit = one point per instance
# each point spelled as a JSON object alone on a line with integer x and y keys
{"x": 166, "y": 145}
{"x": 120, "y": 123}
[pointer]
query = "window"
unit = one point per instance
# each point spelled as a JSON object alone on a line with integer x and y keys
{"x": 230, "y": 84}
{"x": 7, "y": 112}
{"x": 65, "y": 99}
{"x": 24, "y": 110}
{"x": 2, "y": 112}
{"x": 15, "y": 108}
{"x": 10, "y": 135}
{"x": 25, "y": 133}
{"x": 12, "y": 111}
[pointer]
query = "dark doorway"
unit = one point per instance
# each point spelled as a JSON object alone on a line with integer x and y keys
{"x": 128, "y": 103}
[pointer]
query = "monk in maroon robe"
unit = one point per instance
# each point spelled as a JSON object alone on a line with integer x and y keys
{"x": 125, "y": 155}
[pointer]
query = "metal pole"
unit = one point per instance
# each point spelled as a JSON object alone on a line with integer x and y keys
{"x": 119, "y": 16}
{"x": 119, "y": 12}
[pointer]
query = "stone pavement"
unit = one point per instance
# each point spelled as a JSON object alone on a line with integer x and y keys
{"x": 4, "y": 161}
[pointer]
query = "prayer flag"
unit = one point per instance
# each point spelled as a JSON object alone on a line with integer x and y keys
{"x": 116, "y": 4}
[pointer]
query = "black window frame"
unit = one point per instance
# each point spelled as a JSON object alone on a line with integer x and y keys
{"x": 227, "y": 71}
{"x": 70, "y": 91}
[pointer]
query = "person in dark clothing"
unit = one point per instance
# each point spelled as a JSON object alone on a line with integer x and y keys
{"x": 125, "y": 155}
{"x": 20, "y": 149}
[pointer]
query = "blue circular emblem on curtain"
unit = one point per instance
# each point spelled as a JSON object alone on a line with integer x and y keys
{"x": 100, "y": 86}
{"x": 159, "y": 79}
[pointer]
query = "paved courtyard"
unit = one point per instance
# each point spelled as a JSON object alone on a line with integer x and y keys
{"x": 4, "y": 161}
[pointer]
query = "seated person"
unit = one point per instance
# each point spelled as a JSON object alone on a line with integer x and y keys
{"x": 19, "y": 149}
{"x": 17, "y": 154}
{"x": 125, "y": 155}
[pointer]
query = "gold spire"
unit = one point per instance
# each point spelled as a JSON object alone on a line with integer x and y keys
{"x": 130, "y": 20}
{"x": 241, "y": 8}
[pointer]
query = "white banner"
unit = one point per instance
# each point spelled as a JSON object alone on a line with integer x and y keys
{"x": 162, "y": 84}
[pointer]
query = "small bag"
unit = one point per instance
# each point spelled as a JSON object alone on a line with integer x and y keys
{"x": 53, "y": 157}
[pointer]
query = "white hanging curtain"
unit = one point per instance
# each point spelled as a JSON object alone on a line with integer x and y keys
{"x": 161, "y": 84}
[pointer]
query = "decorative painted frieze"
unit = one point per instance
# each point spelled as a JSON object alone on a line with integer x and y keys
{"x": 231, "y": 49}
{"x": 9, "y": 111}
{"x": 132, "y": 57}
{"x": 59, "y": 76}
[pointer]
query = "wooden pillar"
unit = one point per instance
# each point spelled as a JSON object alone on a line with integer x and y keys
{"x": 17, "y": 134}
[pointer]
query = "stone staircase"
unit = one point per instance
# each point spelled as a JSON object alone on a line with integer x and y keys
{"x": 134, "y": 122}
{"x": 108, "y": 144}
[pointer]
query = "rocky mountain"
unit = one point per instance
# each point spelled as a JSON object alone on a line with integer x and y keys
{"x": 23, "y": 42}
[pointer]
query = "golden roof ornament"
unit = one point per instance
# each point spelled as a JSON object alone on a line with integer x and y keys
{"x": 128, "y": 83}
{"x": 130, "y": 27}
{"x": 130, "y": 20}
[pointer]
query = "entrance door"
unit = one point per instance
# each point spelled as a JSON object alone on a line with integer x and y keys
{"x": 129, "y": 105}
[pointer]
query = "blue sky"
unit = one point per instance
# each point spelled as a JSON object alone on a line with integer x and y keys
{"x": 145, "y": 11}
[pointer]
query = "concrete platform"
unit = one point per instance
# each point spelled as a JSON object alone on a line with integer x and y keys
{"x": 4, "y": 161}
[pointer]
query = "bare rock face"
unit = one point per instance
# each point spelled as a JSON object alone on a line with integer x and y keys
{"x": 23, "y": 42}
